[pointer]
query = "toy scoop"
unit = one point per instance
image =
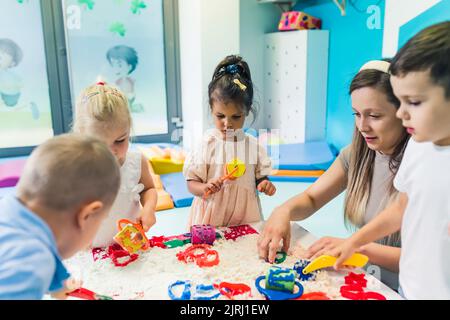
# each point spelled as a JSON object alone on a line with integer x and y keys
{"x": 233, "y": 170}
{"x": 131, "y": 237}
{"x": 324, "y": 261}
{"x": 231, "y": 166}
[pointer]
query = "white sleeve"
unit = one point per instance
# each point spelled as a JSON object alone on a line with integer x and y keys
{"x": 405, "y": 167}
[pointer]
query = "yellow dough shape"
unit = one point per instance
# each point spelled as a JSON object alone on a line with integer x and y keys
{"x": 324, "y": 261}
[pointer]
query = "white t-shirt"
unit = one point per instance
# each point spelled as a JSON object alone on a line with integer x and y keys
{"x": 424, "y": 175}
{"x": 127, "y": 203}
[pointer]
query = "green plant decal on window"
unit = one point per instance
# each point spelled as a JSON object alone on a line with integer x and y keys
{"x": 137, "y": 6}
{"x": 119, "y": 28}
{"x": 88, "y": 3}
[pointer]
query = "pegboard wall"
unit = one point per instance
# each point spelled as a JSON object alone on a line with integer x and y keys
{"x": 295, "y": 84}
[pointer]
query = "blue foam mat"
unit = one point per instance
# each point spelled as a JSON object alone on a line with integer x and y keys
{"x": 316, "y": 155}
{"x": 175, "y": 185}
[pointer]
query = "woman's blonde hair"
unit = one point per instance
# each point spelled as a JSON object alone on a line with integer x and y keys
{"x": 101, "y": 106}
{"x": 362, "y": 159}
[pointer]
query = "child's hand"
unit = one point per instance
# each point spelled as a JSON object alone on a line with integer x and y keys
{"x": 213, "y": 185}
{"x": 69, "y": 286}
{"x": 266, "y": 187}
{"x": 343, "y": 251}
{"x": 147, "y": 220}
{"x": 325, "y": 244}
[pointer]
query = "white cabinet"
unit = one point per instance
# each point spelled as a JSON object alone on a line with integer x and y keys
{"x": 295, "y": 84}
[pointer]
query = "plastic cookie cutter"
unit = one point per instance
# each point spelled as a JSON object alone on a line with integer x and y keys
{"x": 185, "y": 294}
{"x": 356, "y": 279}
{"x": 175, "y": 243}
{"x": 325, "y": 261}
{"x": 201, "y": 292}
{"x": 205, "y": 292}
{"x": 354, "y": 288}
{"x": 230, "y": 290}
{"x": 316, "y": 295}
{"x": 204, "y": 233}
{"x": 280, "y": 284}
{"x": 86, "y": 294}
{"x": 233, "y": 170}
{"x": 131, "y": 236}
{"x": 355, "y": 292}
{"x": 201, "y": 254}
{"x": 280, "y": 257}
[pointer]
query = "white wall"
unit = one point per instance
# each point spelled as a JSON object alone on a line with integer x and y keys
{"x": 209, "y": 31}
{"x": 257, "y": 19}
{"x": 190, "y": 61}
{"x": 397, "y": 13}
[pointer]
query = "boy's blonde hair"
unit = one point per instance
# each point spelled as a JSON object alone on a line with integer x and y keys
{"x": 69, "y": 171}
{"x": 101, "y": 107}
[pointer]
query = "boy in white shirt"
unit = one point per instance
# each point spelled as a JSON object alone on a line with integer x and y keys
{"x": 421, "y": 80}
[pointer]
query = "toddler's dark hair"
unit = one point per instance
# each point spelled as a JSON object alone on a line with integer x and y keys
{"x": 232, "y": 82}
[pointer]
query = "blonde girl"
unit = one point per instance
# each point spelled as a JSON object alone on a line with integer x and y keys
{"x": 102, "y": 111}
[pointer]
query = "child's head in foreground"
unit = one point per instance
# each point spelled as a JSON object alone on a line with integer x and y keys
{"x": 70, "y": 181}
{"x": 102, "y": 111}
{"x": 421, "y": 80}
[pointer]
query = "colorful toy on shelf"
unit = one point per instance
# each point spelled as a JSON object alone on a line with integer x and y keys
{"x": 86, "y": 294}
{"x": 280, "y": 284}
{"x": 131, "y": 236}
{"x": 325, "y": 261}
{"x": 297, "y": 20}
{"x": 205, "y": 233}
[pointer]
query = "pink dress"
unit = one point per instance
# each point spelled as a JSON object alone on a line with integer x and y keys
{"x": 237, "y": 202}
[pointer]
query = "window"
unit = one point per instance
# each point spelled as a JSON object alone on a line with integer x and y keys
{"x": 25, "y": 114}
{"x": 68, "y": 45}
